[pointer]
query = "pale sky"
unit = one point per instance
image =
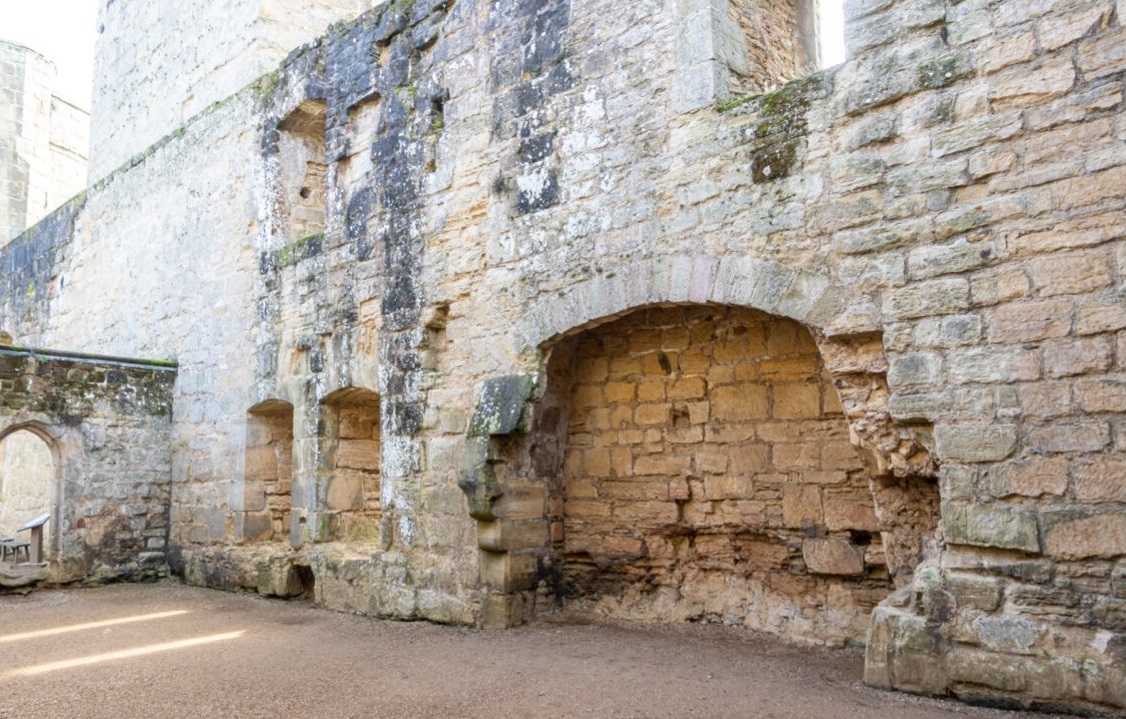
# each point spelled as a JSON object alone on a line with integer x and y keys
{"x": 64, "y": 31}
{"x": 832, "y": 34}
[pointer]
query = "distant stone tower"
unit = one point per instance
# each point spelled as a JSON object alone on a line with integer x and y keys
{"x": 43, "y": 141}
{"x": 159, "y": 64}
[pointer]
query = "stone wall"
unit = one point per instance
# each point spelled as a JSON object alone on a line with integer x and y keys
{"x": 942, "y": 214}
{"x": 105, "y": 424}
{"x": 188, "y": 56}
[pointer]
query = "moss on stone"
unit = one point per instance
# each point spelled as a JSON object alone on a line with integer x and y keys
{"x": 940, "y": 73}
{"x": 782, "y": 127}
{"x": 304, "y": 248}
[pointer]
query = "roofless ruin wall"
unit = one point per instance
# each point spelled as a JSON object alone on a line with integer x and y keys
{"x": 941, "y": 215}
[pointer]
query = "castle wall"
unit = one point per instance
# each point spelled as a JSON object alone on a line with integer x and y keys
{"x": 942, "y": 213}
{"x": 99, "y": 460}
{"x": 157, "y": 66}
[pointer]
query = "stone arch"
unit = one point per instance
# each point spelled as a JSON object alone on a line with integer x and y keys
{"x": 814, "y": 300}
{"x": 348, "y": 472}
{"x": 46, "y": 467}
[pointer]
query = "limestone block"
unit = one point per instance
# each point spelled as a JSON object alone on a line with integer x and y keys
{"x": 748, "y": 459}
{"x": 1110, "y": 612}
{"x": 502, "y": 611}
{"x": 358, "y": 454}
{"x": 279, "y": 577}
{"x": 974, "y": 134}
{"x": 261, "y": 463}
{"x": 345, "y": 491}
{"x": 922, "y": 299}
{"x": 974, "y": 592}
{"x": 254, "y": 526}
{"x": 1016, "y": 87}
{"x": 878, "y": 647}
{"x": 993, "y": 364}
{"x": 501, "y": 406}
{"x": 647, "y": 513}
{"x": 1099, "y": 479}
{"x": 508, "y": 571}
{"x": 914, "y": 661}
{"x": 1075, "y": 357}
{"x": 1101, "y": 395}
{"x": 1032, "y": 477}
{"x": 1070, "y": 273}
{"x": 856, "y": 513}
{"x": 1007, "y": 634}
{"x": 994, "y": 525}
{"x": 1082, "y": 533}
{"x": 975, "y": 443}
{"x": 1031, "y": 321}
{"x": 652, "y": 490}
{"x": 1070, "y": 437}
{"x": 833, "y": 556}
{"x": 664, "y": 464}
{"x": 914, "y": 369}
{"x": 802, "y": 455}
{"x": 987, "y": 669}
{"x": 1104, "y": 54}
{"x": 740, "y": 403}
{"x": 801, "y": 505}
{"x": 504, "y": 536}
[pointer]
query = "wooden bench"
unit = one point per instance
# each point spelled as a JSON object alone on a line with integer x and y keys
{"x": 13, "y": 547}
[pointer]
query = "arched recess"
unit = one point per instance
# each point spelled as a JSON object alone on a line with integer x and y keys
{"x": 704, "y": 472}
{"x": 843, "y": 330}
{"x": 349, "y": 473}
{"x": 30, "y": 479}
{"x": 265, "y": 512}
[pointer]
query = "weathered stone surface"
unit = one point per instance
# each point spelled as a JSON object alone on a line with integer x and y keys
{"x": 832, "y": 556}
{"x": 1000, "y": 526}
{"x": 104, "y": 429}
{"x": 976, "y": 443}
{"x": 501, "y": 405}
{"x": 1007, "y": 634}
{"x": 1081, "y": 534}
{"x": 763, "y": 309}
{"x": 1030, "y": 478}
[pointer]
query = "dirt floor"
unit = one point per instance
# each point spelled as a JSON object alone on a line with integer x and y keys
{"x": 167, "y": 650}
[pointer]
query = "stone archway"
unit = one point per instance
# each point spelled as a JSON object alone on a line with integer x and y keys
{"x": 29, "y": 473}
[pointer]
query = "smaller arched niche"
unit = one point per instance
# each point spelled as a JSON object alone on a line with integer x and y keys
{"x": 27, "y": 472}
{"x": 350, "y": 465}
{"x": 269, "y": 471}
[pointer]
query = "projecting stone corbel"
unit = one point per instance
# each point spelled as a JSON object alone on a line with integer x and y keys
{"x": 499, "y": 412}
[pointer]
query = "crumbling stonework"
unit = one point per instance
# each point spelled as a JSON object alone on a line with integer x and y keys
{"x": 105, "y": 425}
{"x": 707, "y": 474}
{"x": 517, "y": 197}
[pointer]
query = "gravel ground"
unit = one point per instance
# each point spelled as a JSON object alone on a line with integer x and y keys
{"x": 198, "y": 653}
